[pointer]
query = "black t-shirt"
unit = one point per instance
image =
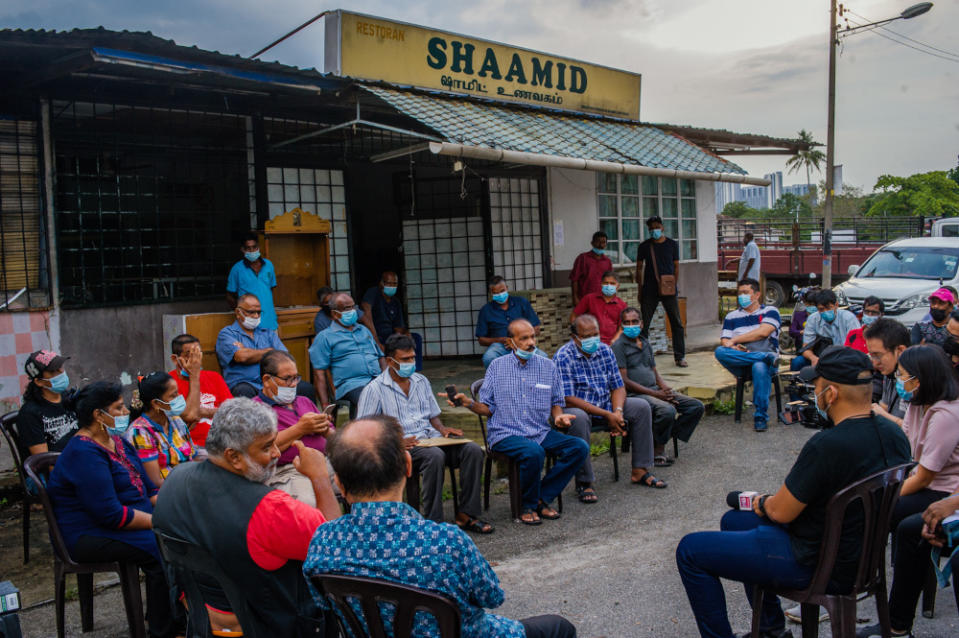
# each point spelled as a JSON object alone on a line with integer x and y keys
{"x": 829, "y": 462}
{"x": 666, "y": 252}
{"x": 40, "y": 421}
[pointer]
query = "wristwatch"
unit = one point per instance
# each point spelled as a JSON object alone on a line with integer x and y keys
{"x": 762, "y": 505}
{"x": 619, "y": 409}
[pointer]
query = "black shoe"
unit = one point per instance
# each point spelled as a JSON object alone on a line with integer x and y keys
{"x": 775, "y": 633}
{"x": 875, "y": 631}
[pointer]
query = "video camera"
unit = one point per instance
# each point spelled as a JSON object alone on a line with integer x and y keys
{"x": 802, "y": 410}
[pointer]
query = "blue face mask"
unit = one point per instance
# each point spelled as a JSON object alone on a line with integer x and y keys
{"x": 609, "y": 290}
{"x": 822, "y": 412}
{"x": 120, "y": 425}
{"x": 868, "y": 319}
{"x": 523, "y": 354}
{"x": 828, "y": 315}
{"x": 59, "y": 383}
{"x": 177, "y": 406}
{"x": 389, "y": 291}
{"x": 348, "y": 318}
{"x": 252, "y": 256}
{"x": 656, "y": 233}
{"x": 810, "y": 309}
{"x": 904, "y": 394}
{"x": 405, "y": 370}
{"x": 599, "y": 251}
{"x": 589, "y": 344}
{"x": 501, "y": 297}
{"x": 632, "y": 331}
{"x": 744, "y": 301}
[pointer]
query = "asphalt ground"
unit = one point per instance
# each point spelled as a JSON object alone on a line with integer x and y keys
{"x": 609, "y": 567}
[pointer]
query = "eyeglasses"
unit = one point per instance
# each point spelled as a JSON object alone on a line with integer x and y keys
{"x": 289, "y": 381}
{"x": 345, "y": 308}
{"x": 250, "y": 313}
{"x": 909, "y": 378}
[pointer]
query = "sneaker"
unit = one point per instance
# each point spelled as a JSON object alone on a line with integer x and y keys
{"x": 795, "y": 614}
{"x": 874, "y": 631}
{"x": 778, "y": 633}
{"x": 760, "y": 426}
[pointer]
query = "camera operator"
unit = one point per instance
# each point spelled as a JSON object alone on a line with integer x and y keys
{"x": 886, "y": 339}
{"x": 777, "y": 543}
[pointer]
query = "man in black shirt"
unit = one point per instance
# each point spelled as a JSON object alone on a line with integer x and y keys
{"x": 44, "y": 424}
{"x": 778, "y": 542}
{"x": 665, "y": 252}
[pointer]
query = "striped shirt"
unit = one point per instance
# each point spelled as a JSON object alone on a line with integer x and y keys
{"x": 384, "y": 396}
{"x": 521, "y": 397}
{"x": 740, "y": 322}
{"x": 592, "y": 378}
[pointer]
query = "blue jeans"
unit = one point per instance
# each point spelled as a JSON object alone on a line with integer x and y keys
{"x": 798, "y": 363}
{"x": 749, "y": 549}
{"x": 758, "y": 365}
{"x": 497, "y": 350}
{"x": 570, "y": 450}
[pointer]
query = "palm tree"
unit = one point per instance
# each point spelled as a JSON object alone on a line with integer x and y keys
{"x": 807, "y": 159}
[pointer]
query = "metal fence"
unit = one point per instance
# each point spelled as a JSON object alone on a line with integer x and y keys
{"x": 845, "y": 230}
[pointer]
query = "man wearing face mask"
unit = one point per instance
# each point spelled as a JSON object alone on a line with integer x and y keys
{"x": 45, "y": 424}
{"x": 595, "y": 395}
{"x": 778, "y": 542}
{"x": 345, "y": 355}
{"x": 253, "y": 275}
{"x": 324, "y": 317}
{"x": 383, "y": 314}
{"x": 658, "y": 258}
{"x": 403, "y": 394}
{"x": 935, "y": 331}
{"x": 605, "y": 305}
{"x": 204, "y": 390}
{"x": 829, "y": 325}
{"x": 872, "y": 309}
{"x": 496, "y": 315}
{"x": 886, "y": 340}
{"x": 586, "y": 275}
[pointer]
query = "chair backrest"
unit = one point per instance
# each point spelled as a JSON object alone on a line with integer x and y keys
{"x": 474, "y": 392}
{"x": 8, "y": 425}
{"x": 407, "y": 600}
{"x": 878, "y": 495}
{"x": 38, "y": 468}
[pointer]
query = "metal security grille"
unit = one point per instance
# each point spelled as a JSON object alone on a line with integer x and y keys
{"x": 149, "y": 202}
{"x": 516, "y": 231}
{"x": 23, "y": 276}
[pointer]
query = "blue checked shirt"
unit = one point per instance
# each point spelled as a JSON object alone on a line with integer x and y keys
{"x": 520, "y": 396}
{"x": 591, "y": 379}
{"x": 384, "y": 396}
{"x": 393, "y": 542}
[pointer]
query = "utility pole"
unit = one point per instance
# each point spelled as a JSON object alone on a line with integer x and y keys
{"x": 830, "y": 154}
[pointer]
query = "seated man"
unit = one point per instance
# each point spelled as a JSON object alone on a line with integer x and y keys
{"x": 520, "y": 394}
{"x": 829, "y": 324}
{"x": 324, "y": 317}
{"x": 241, "y": 345}
{"x": 872, "y": 309}
{"x": 933, "y": 330}
{"x": 496, "y": 315}
{"x": 801, "y": 313}
{"x": 886, "y": 339}
{"x": 605, "y": 305}
{"x": 255, "y": 533}
{"x": 595, "y": 396}
{"x": 674, "y": 414}
{"x": 345, "y": 355}
{"x": 372, "y": 466}
{"x": 406, "y": 396}
{"x": 777, "y": 544}
{"x": 204, "y": 390}
{"x": 384, "y": 314}
{"x": 749, "y": 345}
{"x": 297, "y": 419}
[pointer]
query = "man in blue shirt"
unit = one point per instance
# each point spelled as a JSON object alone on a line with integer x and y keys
{"x": 384, "y": 314}
{"x": 253, "y": 275}
{"x": 595, "y": 395}
{"x": 829, "y": 322}
{"x": 241, "y": 345}
{"x": 324, "y": 317}
{"x": 496, "y": 315}
{"x": 520, "y": 393}
{"x": 345, "y": 355}
{"x": 372, "y": 466}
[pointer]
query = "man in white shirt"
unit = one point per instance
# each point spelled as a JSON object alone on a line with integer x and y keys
{"x": 749, "y": 262}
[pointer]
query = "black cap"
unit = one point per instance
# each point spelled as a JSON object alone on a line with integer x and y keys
{"x": 41, "y": 361}
{"x": 840, "y": 365}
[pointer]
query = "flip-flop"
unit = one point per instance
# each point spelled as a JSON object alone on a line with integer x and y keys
{"x": 535, "y": 521}
{"x": 654, "y": 483}
{"x": 663, "y": 461}
{"x": 476, "y": 526}
{"x": 550, "y": 517}
{"x": 586, "y": 494}
{"x": 682, "y": 363}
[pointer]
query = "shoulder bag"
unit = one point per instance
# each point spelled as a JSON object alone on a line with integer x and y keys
{"x": 666, "y": 283}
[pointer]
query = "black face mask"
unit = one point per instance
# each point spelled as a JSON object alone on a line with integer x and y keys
{"x": 937, "y": 314}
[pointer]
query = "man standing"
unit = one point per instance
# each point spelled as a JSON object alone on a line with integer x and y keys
{"x": 605, "y": 305}
{"x": 657, "y": 261}
{"x": 749, "y": 262}
{"x": 496, "y": 315}
{"x": 886, "y": 339}
{"x": 345, "y": 355}
{"x": 829, "y": 325}
{"x": 588, "y": 269}
{"x": 520, "y": 393}
{"x": 595, "y": 394}
{"x": 253, "y": 275}
{"x": 941, "y": 305}
{"x": 383, "y": 314}
{"x": 674, "y": 414}
{"x": 406, "y": 396}
{"x": 204, "y": 390}
{"x": 749, "y": 346}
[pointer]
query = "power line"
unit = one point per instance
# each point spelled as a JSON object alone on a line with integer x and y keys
{"x": 905, "y": 37}
{"x": 906, "y": 44}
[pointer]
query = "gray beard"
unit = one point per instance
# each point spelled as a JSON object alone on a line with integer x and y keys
{"x": 259, "y": 473}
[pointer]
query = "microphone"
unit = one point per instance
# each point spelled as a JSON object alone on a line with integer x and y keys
{"x": 742, "y": 501}
{"x": 732, "y": 499}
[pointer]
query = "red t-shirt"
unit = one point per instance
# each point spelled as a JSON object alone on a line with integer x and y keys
{"x": 588, "y": 272}
{"x": 856, "y": 341}
{"x": 213, "y": 392}
{"x": 281, "y": 529}
{"x": 606, "y": 312}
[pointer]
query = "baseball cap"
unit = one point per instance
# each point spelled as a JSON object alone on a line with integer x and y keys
{"x": 945, "y": 294}
{"x": 41, "y": 361}
{"x": 840, "y": 365}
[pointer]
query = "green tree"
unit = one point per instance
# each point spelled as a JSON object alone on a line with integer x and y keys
{"x": 930, "y": 194}
{"x": 789, "y": 205}
{"x": 808, "y": 159}
{"x": 953, "y": 174}
{"x": 739, "y": 210}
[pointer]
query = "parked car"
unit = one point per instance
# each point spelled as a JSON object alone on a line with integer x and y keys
{"x": 946, "y": 227}
{"x": 903, "y": 273}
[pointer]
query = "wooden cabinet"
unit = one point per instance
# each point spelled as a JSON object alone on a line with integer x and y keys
{"x": 298, "y": 244}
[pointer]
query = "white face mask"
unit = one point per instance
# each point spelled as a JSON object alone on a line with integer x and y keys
{"x": 285, "y": 395}
{"x": 250, "y": 323}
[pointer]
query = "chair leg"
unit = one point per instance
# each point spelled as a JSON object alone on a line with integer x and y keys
{"x": 514, "y": 490}
{"x": 132, "y": 599}
{"x": 758, "y": 595}
{"x": 59, "y": 595}
{"x": 843, "y": 617}
{"x": 85, "y": 595}
{"x": 740, "y": 388}
{"x": 809, "y": 615}
{"x": 612, "y": 453}
{"x": 26, "y": 529}
{"x": 675, "y": 448}
{"x": 487, "y": 479}
{"x": 550, "y": 462}
{"x": 456, "y": 500}
{"x": 779, "y": 394}
{"x": 929, "y": 589}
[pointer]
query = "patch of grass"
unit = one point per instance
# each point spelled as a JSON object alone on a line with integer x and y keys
{"x": 724, "y": 407}
{"x": 71, "y": 593}
{"x": 597, "y": 449}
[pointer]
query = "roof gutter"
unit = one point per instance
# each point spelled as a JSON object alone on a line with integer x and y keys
{"x": 559, "y": 161}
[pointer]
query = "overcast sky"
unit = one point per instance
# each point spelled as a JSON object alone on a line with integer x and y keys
{"x": 755, "y": 66}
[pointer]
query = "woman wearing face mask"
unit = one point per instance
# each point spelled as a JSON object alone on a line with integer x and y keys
{"x": 158, "y": 433}
{"x": 605, "y": 305}
{"x": 934, "y": 331}
{"x": 45, "y": 423}
{"x": 805, "y": 307}
{"x": 103, "y": 498}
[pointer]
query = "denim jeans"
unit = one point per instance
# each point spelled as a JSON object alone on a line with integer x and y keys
{"x": 497, "y": 350}
{"x": 749, "y": 549}
{"x": 758, "y": 365}
{"x": 570, "y": 451}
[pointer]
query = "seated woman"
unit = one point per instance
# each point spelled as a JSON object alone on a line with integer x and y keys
{"x": 158, "y": 433}
{"x": 103, "y": 499}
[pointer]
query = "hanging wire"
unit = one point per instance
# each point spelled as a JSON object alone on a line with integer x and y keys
{"x": 891, "y": 39}
{"x": 412, "y": 189}
{"x": 463, "y": 193}
{"x": 906, "y": 37}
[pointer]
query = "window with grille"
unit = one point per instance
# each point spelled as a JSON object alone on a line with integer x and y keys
{"x": 627, "y": 201}
{"x": 516, "y": 231}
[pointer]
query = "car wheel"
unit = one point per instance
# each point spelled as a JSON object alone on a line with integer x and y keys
{"x": 775, "y": 295}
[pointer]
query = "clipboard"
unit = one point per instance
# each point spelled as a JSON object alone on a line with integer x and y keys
{"x": 442, "y": 441}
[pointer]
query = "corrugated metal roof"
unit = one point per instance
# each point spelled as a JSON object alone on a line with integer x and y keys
{"x": 490, "y": 125}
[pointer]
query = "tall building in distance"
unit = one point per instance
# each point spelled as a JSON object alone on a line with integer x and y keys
{"x": 758, "y": 197}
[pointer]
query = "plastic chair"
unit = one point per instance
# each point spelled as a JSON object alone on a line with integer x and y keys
{"x": 369, "y": 592}
{"x": 512, "y": 468}
{"x": 40, "y": 465}
{"x": 8, "y": 425}
{"x": 741, "y": 386}
{"x": 878, "y": 494}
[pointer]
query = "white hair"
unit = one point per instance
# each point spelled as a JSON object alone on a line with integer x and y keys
{"x": 237, "y": 423}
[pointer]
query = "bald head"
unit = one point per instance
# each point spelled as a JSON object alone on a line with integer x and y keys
{"x": 516, "y": 326}
{"x": 341, "y": 300}
{"x": 585, "y": 323}
{"x": 369, "y": 456}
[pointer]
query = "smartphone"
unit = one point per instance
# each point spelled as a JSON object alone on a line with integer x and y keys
{"x": 329, "y": 409}
{"x": 450, "y": 393}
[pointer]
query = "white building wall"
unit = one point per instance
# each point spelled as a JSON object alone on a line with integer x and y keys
{"x": 572, "y": 203}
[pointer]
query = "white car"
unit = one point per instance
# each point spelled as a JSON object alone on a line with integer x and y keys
{"x": 903, "y": 274}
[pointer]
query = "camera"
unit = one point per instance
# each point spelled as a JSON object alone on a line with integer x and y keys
{"x": 802, "y": 410}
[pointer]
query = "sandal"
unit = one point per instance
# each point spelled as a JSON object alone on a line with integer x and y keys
{"x": 586, "y": 494}
{"x": 476, "y": 526}
{"x": 663, "y": 461}
{"x": 648, "y": 480}
{"x": 541, "y": 510}
{"x": 682, "y": 363}
{"x": 533, "y": 518}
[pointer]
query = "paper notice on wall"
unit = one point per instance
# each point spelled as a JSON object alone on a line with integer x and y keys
{"x": 559, "y": 236}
